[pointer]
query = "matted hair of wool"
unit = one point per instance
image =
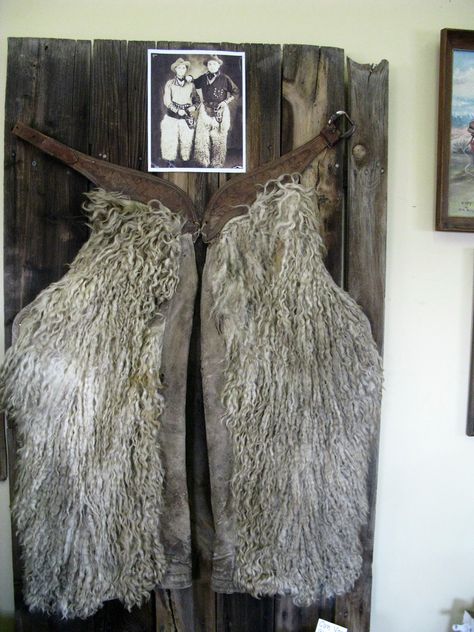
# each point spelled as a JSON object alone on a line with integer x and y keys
{"x": 302, "y": 394}
{"x": 82, "y": 383}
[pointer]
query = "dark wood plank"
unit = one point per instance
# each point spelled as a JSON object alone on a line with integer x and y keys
{"x": 263, "y": 62}
{"x": 174, "y": 611}
{"x": 108, "y": 134}
{"x": 365, "y": 273}
{"x": 290, "y": 618}
{"x": 313, "y": 89}
{"x": 241, "y": 613}
{"x": 47, "y": 87}
{"x": 137, "y": 104}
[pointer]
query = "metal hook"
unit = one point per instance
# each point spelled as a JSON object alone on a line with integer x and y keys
{"x": 352, "y": 126}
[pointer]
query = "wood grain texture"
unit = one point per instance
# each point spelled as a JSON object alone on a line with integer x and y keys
{"x": 367, "y": 191}
{"x": 313, "y": 89}
{"x": 137, "y": 104}
{"x": 108, "y": 133}
{"x": 167, "y": 619}
{"x": 290, "y": 618}
{"x": 365, "y": 270}
{"x": 47, "y": 87}
{"x": 240, "y": 612}
{"x": 263, "y": 62}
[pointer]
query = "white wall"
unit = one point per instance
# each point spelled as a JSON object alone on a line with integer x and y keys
{"x": 424, "y": 547}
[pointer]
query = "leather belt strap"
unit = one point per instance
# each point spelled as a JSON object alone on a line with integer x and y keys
{"x": 227, "y": 202}
{"x": 140, "y": 186}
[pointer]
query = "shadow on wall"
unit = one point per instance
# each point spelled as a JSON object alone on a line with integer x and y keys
{"x": 457, "y": 611}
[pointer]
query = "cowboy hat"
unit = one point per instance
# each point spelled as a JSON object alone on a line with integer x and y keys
{"x": 214, "y": 58}
{"x": 178, "y": 62}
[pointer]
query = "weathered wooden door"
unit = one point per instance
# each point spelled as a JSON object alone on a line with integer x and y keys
{"x": 92, "y": 96}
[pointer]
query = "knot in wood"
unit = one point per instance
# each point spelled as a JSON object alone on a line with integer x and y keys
{"x": 359, "y": 152}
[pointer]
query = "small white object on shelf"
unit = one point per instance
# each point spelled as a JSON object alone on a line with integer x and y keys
{"x": 467, "y": 623}
{"x": 326, "y": 626}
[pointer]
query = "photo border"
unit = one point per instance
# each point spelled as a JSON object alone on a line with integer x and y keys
{"x": 183, "y": 52}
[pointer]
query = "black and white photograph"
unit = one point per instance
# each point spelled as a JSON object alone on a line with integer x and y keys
{"x": 196, "y": 111}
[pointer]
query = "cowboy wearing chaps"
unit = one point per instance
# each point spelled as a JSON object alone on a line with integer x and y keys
{"x": 178, "y": 124}
{"x": 218, "y": 90}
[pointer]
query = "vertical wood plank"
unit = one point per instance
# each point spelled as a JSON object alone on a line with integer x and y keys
{"x": 47, "y": 87}
{"x": 175, "y": 611}
{"x": 290, "y": 618}
{"x": 263, "y": 62}
{"x": 367, "y": 191}
{"x": 108, "y": 135}
{"x": 137, "y": 104}
{"x": 365, "y": 270}
{"x": 240, "y": 612}
{"x": 313, "y": 89}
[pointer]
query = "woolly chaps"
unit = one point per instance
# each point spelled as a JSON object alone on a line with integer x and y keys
{"x": 210, "y": 146}
{"x": 85, "y": 383}
{"x": 96, "y": 386}
{"x": 292, "y": 386}
{"x": 176, "y": 139}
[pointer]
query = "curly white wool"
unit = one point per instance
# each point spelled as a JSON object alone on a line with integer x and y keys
{"x": 82, "y": 383}
{"x": 302, "y": 395}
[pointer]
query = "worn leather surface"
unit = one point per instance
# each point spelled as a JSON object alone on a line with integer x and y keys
{"x": 218, "y": 441}
{"x": 175, "y": 522}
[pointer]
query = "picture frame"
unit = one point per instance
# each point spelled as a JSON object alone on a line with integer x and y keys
{"x": 470, "y": 402}
{"x": 208, "y": 132}
{"x": 455, "y": 174}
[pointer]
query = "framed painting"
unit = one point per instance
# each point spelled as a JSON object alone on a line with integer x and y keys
{"x": 455, "y": 183}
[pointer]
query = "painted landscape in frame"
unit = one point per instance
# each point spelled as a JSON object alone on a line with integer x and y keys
{"x": 461, "y": 164}
{"x": 455, "y": 195}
